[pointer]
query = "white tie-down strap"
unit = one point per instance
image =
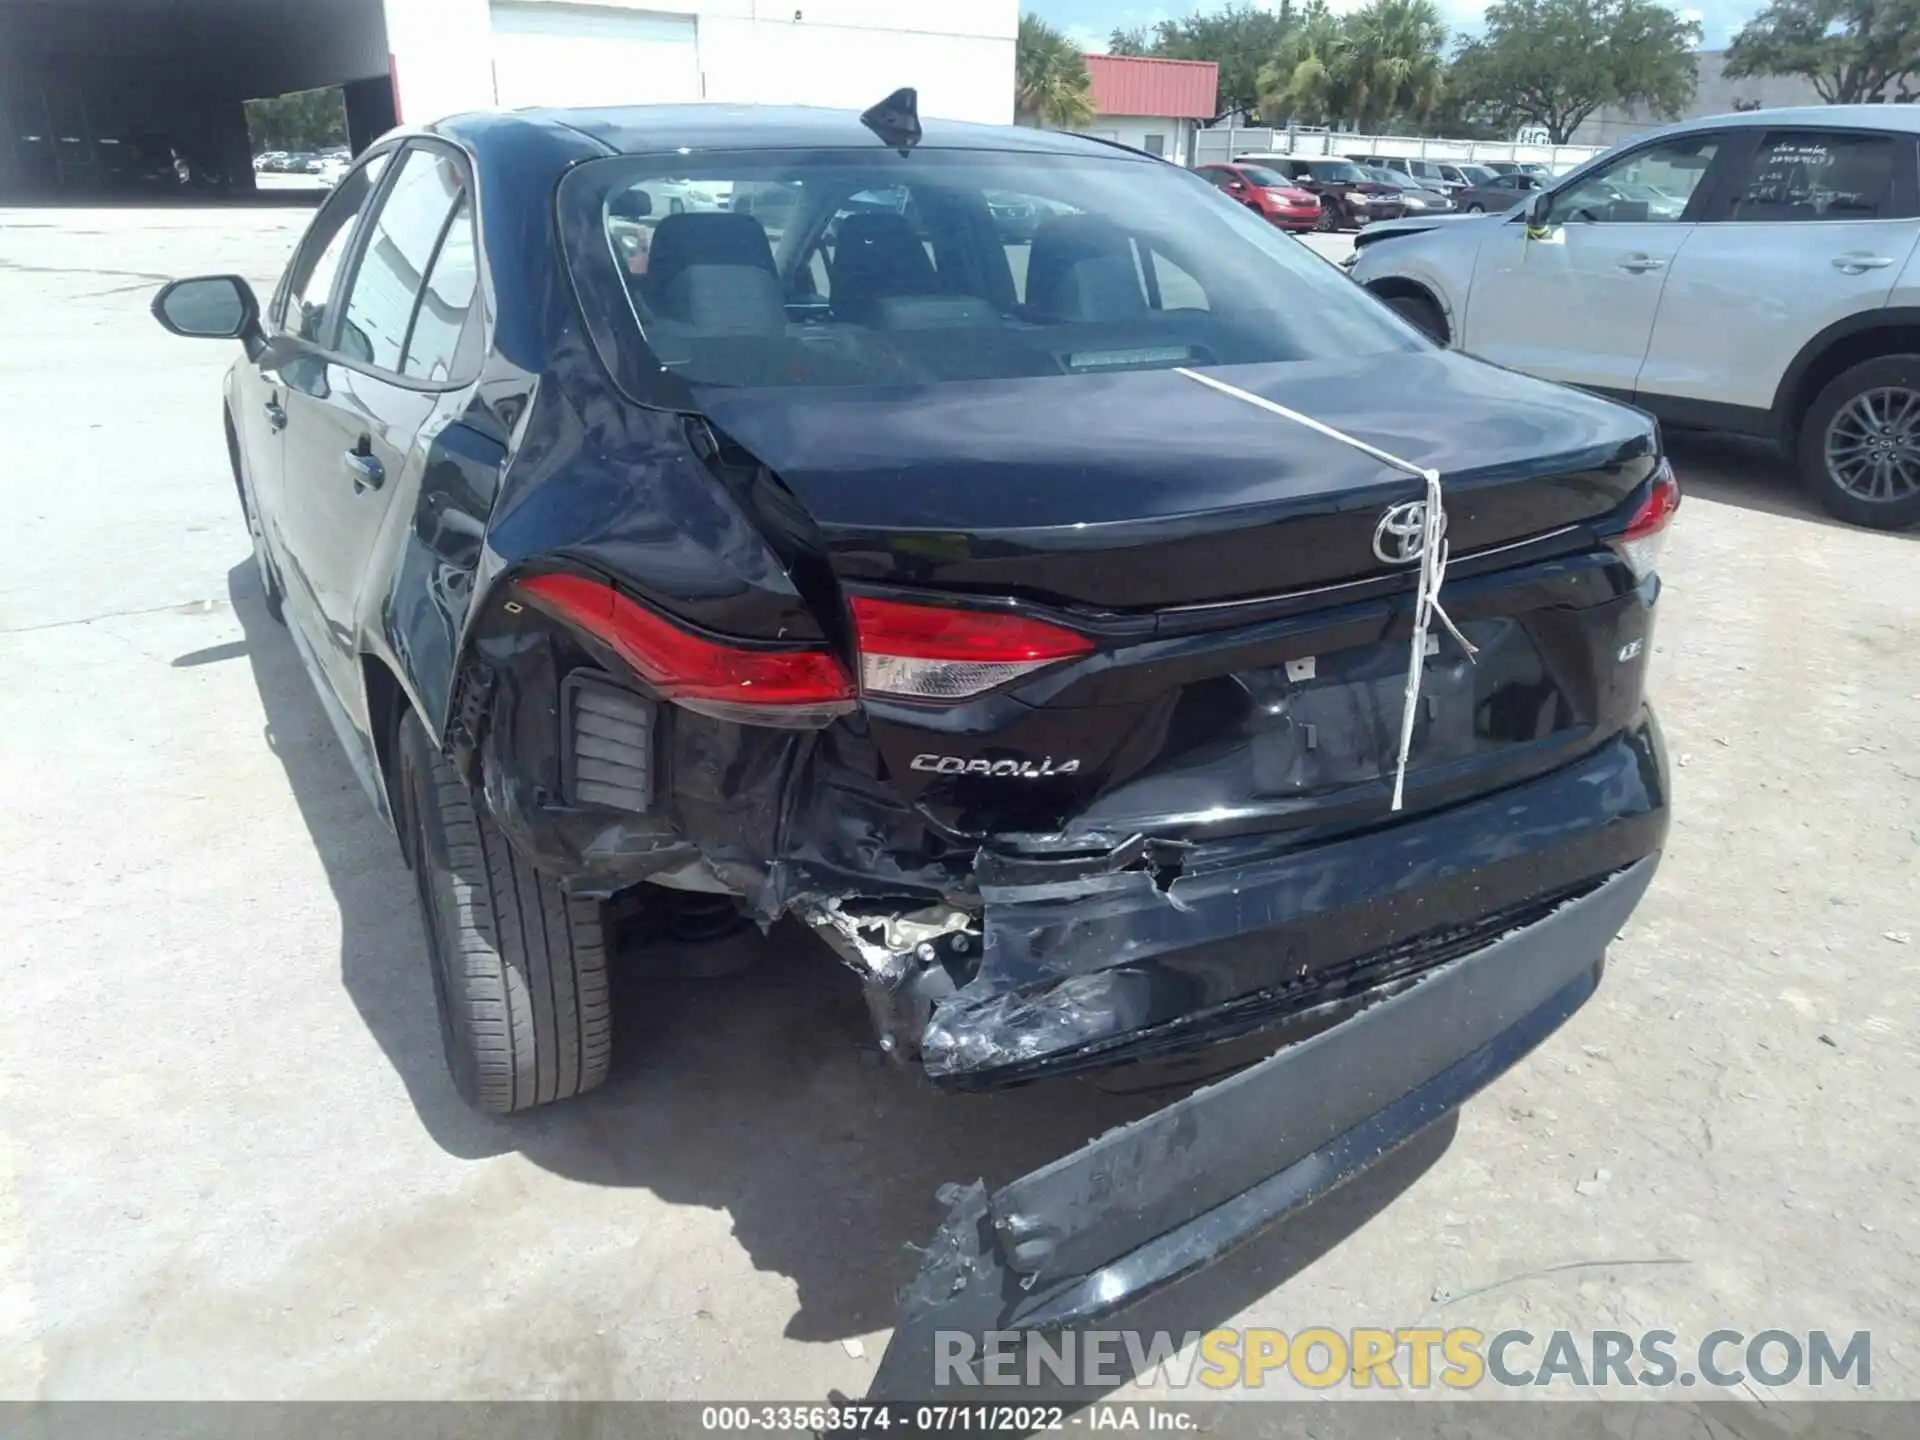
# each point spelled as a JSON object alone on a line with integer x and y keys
{"x": 1433, "y": 556}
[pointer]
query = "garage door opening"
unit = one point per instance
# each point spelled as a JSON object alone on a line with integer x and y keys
{"x": 102, "y": 100}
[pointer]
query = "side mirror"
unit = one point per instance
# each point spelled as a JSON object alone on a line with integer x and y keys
{"x": 1237, "y": 186}
{"x": 1539, "y": 203}
{"x": 208, "y": 307}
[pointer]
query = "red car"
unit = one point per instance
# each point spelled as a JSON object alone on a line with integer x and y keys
{"x": 1272, "y": 195}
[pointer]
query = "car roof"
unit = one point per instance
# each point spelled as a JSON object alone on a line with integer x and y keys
{"x": 1821, "y": 117}
{"x": 650, "y": 129}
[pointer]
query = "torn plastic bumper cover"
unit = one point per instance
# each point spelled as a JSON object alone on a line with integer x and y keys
{"x": 1152, "y": 949}
{"x": 1154, "y": 1200}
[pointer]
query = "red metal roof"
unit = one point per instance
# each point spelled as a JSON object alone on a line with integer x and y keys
{"x": 1137, "y": 85}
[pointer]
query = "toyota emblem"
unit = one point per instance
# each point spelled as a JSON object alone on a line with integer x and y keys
{"x": 1400, "y": 537}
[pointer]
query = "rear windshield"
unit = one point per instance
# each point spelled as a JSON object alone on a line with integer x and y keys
{"x": 866, "y": 267}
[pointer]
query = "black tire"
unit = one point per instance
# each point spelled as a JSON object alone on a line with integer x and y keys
{"x": 1422, "y": 313}
{"x": 1476, "y": 209}
{"x": 1887, "y": 372}
{"x": 519, "y": 966}
{"x": 1326, "y": 224}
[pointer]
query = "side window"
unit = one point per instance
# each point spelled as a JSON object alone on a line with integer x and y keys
{"x": 1816, "y": 175}
{"x": 405, "y": 234}
{"x": 303, "y": 302}
{"x": 1177, "y": 289}
{"x": 440, "y": 320}
{"x": 1653, "y": 184}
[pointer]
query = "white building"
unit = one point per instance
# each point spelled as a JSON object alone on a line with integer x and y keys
{"x": 1152, "y": 104}
{"x": 453, "y": 55}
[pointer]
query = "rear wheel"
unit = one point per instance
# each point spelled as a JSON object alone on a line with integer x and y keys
{"x": 1422, "y": 313}
{"x": 1860, "y": 444}
{"x": 519, "y": 966}
{"x": 1476, "y": 209}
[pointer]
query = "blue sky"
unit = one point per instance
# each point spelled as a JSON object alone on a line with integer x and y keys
{"x": 1089, "y": 22}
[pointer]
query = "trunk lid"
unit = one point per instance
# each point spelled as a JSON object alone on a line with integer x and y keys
{"x": 1140, "y": 490}
{"x": 1248, "y": 652}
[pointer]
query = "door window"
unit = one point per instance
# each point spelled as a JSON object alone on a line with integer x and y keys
{"x": 302, "y": 308}
{"x": 440, "y": 319}
{"x": 405, "y": 236}
{"x": 1654, "y": 184}
{"x": 1796, "y": 175}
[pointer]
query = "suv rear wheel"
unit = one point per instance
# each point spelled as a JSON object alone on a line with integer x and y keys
{"x": 1860, "y": 443}
{"x": 519, "y": 966}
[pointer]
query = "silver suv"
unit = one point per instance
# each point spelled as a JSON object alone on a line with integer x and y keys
{"x": 1750, "y": 272}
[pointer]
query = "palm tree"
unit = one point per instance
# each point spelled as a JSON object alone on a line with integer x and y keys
{"x": 1050, "y": 81}
{"x": 1397, "y": 69}
{"x": 1311, "y": 77}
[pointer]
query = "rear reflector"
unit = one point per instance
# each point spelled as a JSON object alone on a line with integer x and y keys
{"x": 1640, "y": 545}
{"x": 925, "y": 652}
{"x": 787, "y": 688}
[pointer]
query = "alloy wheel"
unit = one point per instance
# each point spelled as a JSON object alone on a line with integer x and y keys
{"x": 1873, "y": 445}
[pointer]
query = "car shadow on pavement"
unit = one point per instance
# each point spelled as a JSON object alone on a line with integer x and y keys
{"x": 759, "y": 1091}
{"x": 1751, "y": 473}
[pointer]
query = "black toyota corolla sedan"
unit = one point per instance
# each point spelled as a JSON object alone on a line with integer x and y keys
{"x": 715, "y": 503}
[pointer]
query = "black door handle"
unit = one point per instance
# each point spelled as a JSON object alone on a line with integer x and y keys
{"x": 367, "y": 471}
{"x": 276, "y": 417}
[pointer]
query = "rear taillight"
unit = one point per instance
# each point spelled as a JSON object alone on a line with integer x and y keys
{"x": 1640, "y": 545}
{"x": 928, "y": 653}
{"x": 793, "y": 689}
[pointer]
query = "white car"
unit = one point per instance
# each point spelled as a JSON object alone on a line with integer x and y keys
{"x": 1752, "y": 272}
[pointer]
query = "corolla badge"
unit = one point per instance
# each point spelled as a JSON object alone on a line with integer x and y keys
{"x": 1000, "y": 769}
{"x": 1400, "y": 537}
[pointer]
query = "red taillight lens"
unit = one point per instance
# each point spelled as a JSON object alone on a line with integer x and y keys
{"x": 1640, "y": 545}
{"x": 924, "y": 652}
{"x": 787, "y": 688}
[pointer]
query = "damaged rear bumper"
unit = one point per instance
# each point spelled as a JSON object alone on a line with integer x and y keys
{"x": 1155, "y": 1200}
{"x": 1149, "y": 952}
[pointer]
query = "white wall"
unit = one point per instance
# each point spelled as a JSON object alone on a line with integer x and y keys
{"x": 442, "y": 57}
{"x": 848, "y": 54}
{"x": 842, "y": 53}
{"x": 1134, "y": 129}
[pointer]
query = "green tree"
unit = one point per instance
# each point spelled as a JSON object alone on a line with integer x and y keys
{"x": 1050, "y": 81}
{"x": 1394, "y": 49}
{"x": 299, "y": 120}
{"x": 1239, "y": 38}
{"x": 1851, "y": 50}
{"x": 1381, "y": 61}
{"x": 1311, "y": 75}
{"x": 1554, "y": 62}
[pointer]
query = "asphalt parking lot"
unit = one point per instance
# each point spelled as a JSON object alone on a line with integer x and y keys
{"x": 231, "y": 1164}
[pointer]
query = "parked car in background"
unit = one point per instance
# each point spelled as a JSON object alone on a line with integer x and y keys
{"x": 1349, "y": 197}
{"x": 1518, "y": 167}
{"x": 1015, "y": 217}
{"x": 1428, "y": 172}
{"x": 1464, "y": 174}
{"x": 932, "y": 601}
{"x": 1497, "y": 193}
{"x": 1757, "y": 272}
{"x": 1415, "y": 198}
{"x": 267, "y": 160}
{"x": 1266, "y": 192}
